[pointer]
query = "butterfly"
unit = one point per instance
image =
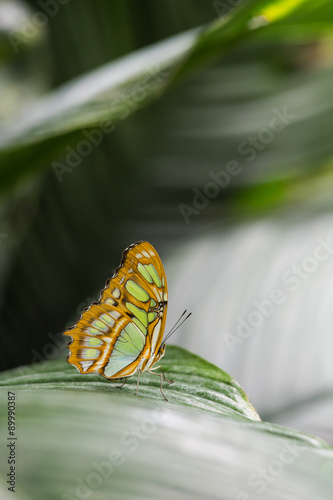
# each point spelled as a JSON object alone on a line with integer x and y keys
{"x": 121, "y": 334}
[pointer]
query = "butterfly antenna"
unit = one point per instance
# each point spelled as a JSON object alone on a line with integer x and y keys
{"x": 176, "y": 326}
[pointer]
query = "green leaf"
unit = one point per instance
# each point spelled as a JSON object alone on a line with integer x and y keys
{"x": 109, "y": 94}
{"x": 41, "y": 133}
{"x": 99, "y": 98}
{"x": 109, "y": 443}
{"x": 248, "y": 20}
{"x": 103, "y": 96}
{"x": 197, "y": 383}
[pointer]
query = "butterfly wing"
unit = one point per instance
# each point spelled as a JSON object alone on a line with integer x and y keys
{"x": 122, "y": 332}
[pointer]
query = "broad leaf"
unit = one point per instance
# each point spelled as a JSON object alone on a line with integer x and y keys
{"x": 111, "y": 93}
{"x": 197, "y": 383}
{"x": 110, "y": 443}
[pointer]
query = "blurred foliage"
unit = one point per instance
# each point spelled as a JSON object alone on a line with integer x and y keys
{"x": 134, "y": 129}
{"x": 92, "y": 207}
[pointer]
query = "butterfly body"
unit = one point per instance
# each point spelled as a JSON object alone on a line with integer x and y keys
{"x": 121, "y": 334}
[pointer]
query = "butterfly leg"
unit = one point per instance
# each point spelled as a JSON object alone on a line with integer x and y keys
{"x": 159, "y": 375}
{"x": 122, "y": 385}
{"x": 164, "y": 377}
{"x": 137, "y": 384}
{"x": 166, "y": 380}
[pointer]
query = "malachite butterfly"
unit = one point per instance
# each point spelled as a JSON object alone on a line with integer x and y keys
{"x": 121, "y": 334}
